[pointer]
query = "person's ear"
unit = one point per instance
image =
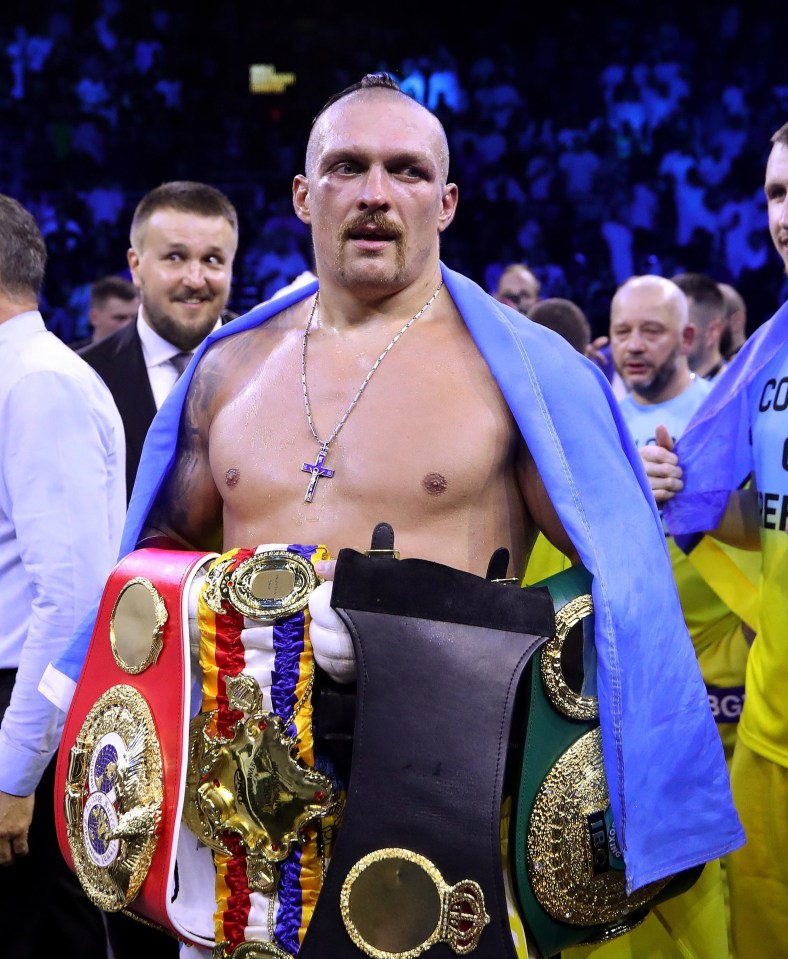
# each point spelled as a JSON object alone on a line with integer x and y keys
{"x": 134, "y": 262}
{"x": 301, "y": 198}
{"x": 448, "y": 206}
{"x": 688, "y": 336}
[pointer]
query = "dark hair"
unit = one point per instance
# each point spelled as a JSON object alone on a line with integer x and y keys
{"x": 368, "y": 82}
{"x": 734, "y": 302}
{"x": 781, "y": 135}
{"x": 185, "y": 196}
{"x": 23, "y": 253}
{"x": 118, "y": 286}
{"x": 566, "y": 318}
{"x": 702, "y": 289}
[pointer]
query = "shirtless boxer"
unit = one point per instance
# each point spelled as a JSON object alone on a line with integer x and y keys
{"x": 431, "y": 446}
{"x": 402, "y": 392}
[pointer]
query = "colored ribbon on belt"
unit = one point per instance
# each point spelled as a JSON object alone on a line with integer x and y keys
{"x": 278, "y": 654}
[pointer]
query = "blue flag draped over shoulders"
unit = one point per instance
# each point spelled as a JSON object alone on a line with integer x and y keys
{"x": 714, "y": 451}
{"x": 665, "y": 766}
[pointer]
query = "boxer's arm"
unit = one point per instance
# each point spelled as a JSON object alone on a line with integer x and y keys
{"x": 188, "y": 507}
{"x": 540, "y": 507}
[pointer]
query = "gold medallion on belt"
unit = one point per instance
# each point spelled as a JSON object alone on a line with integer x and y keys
{"x": 395, "y": 904}
{"x": 113, "y": 797}
{"x": 271, "y": 584}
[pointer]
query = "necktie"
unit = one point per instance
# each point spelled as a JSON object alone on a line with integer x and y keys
{"x": 180, "y": 361}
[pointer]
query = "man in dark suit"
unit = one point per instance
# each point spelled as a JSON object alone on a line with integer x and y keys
{"x": 183, "y": 241}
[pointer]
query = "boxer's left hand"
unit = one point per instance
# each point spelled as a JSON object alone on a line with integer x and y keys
{"x": 325, "y": 568}
{"x": 331, "y": 642}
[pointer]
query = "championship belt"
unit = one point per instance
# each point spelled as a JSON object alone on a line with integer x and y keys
{"x": 121, "y": 765}
{"x": 257, "y": 795}
{"x": 204, "y": 828}
{"x": 417, "y": 864}
{"x": 568, "y": 867}
{"x": 466, "y": 690}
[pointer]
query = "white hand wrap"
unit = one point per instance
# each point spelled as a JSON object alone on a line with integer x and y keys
{"x": 331, "y": 642}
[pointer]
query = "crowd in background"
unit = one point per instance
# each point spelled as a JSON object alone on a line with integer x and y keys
{"x": 593, "y": 147}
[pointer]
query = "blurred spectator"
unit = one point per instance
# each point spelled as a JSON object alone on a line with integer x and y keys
{"x": 519, "y": 287}
{"x": 566, "y": 318}
{"x": 273, "y": 261}
{"x": 578, "y": 165}
{"x": 618, "y": 234}
{"x": 444, "y": 90}
{"x": 105, "y": 200}
{"x": 27, "y": 53}
{"x": 734, "y": 332}
{"x": 414, "y": 79}
{"x": 707, "y": 315}
{"x": 114, "y": 302}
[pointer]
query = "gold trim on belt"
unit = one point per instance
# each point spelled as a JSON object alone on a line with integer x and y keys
{"x": 396, "y": 905}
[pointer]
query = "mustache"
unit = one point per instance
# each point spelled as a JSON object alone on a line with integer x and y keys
{"x": 378, "y": 220}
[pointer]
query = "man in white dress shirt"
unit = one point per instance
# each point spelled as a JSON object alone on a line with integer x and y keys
{"x": 62, "y": 507}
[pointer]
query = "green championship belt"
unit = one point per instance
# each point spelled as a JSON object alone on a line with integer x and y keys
{"x": 567, "y": 867}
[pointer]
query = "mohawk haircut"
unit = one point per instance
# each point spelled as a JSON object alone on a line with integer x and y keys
{"x": 368, "y": 82}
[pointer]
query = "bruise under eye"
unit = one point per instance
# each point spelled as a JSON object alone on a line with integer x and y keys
{"x": 232, "y": 476}
{"x": 434, "y": 484}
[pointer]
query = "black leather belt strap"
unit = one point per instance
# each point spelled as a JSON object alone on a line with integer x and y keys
{"x": 439, "y": 654}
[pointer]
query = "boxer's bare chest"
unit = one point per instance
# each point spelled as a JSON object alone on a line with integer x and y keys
{"x": 426, "y": 443}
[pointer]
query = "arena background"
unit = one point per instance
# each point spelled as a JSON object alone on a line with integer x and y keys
{"x": 590, "y": 140}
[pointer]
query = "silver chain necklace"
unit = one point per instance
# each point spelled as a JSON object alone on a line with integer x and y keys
{"x": 317, "y": 470}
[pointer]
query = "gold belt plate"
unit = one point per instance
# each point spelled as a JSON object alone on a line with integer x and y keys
{"x": 561, "y": 851}
{"x": 136, "y": 625}
{"x": 271, "y": 584}
{"x": 113, "y": 797}
{"x": 396, "y": 905}
{"x": 253, "y": 785}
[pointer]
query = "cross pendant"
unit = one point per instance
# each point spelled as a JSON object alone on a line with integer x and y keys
{"x": 318, "y": 471}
